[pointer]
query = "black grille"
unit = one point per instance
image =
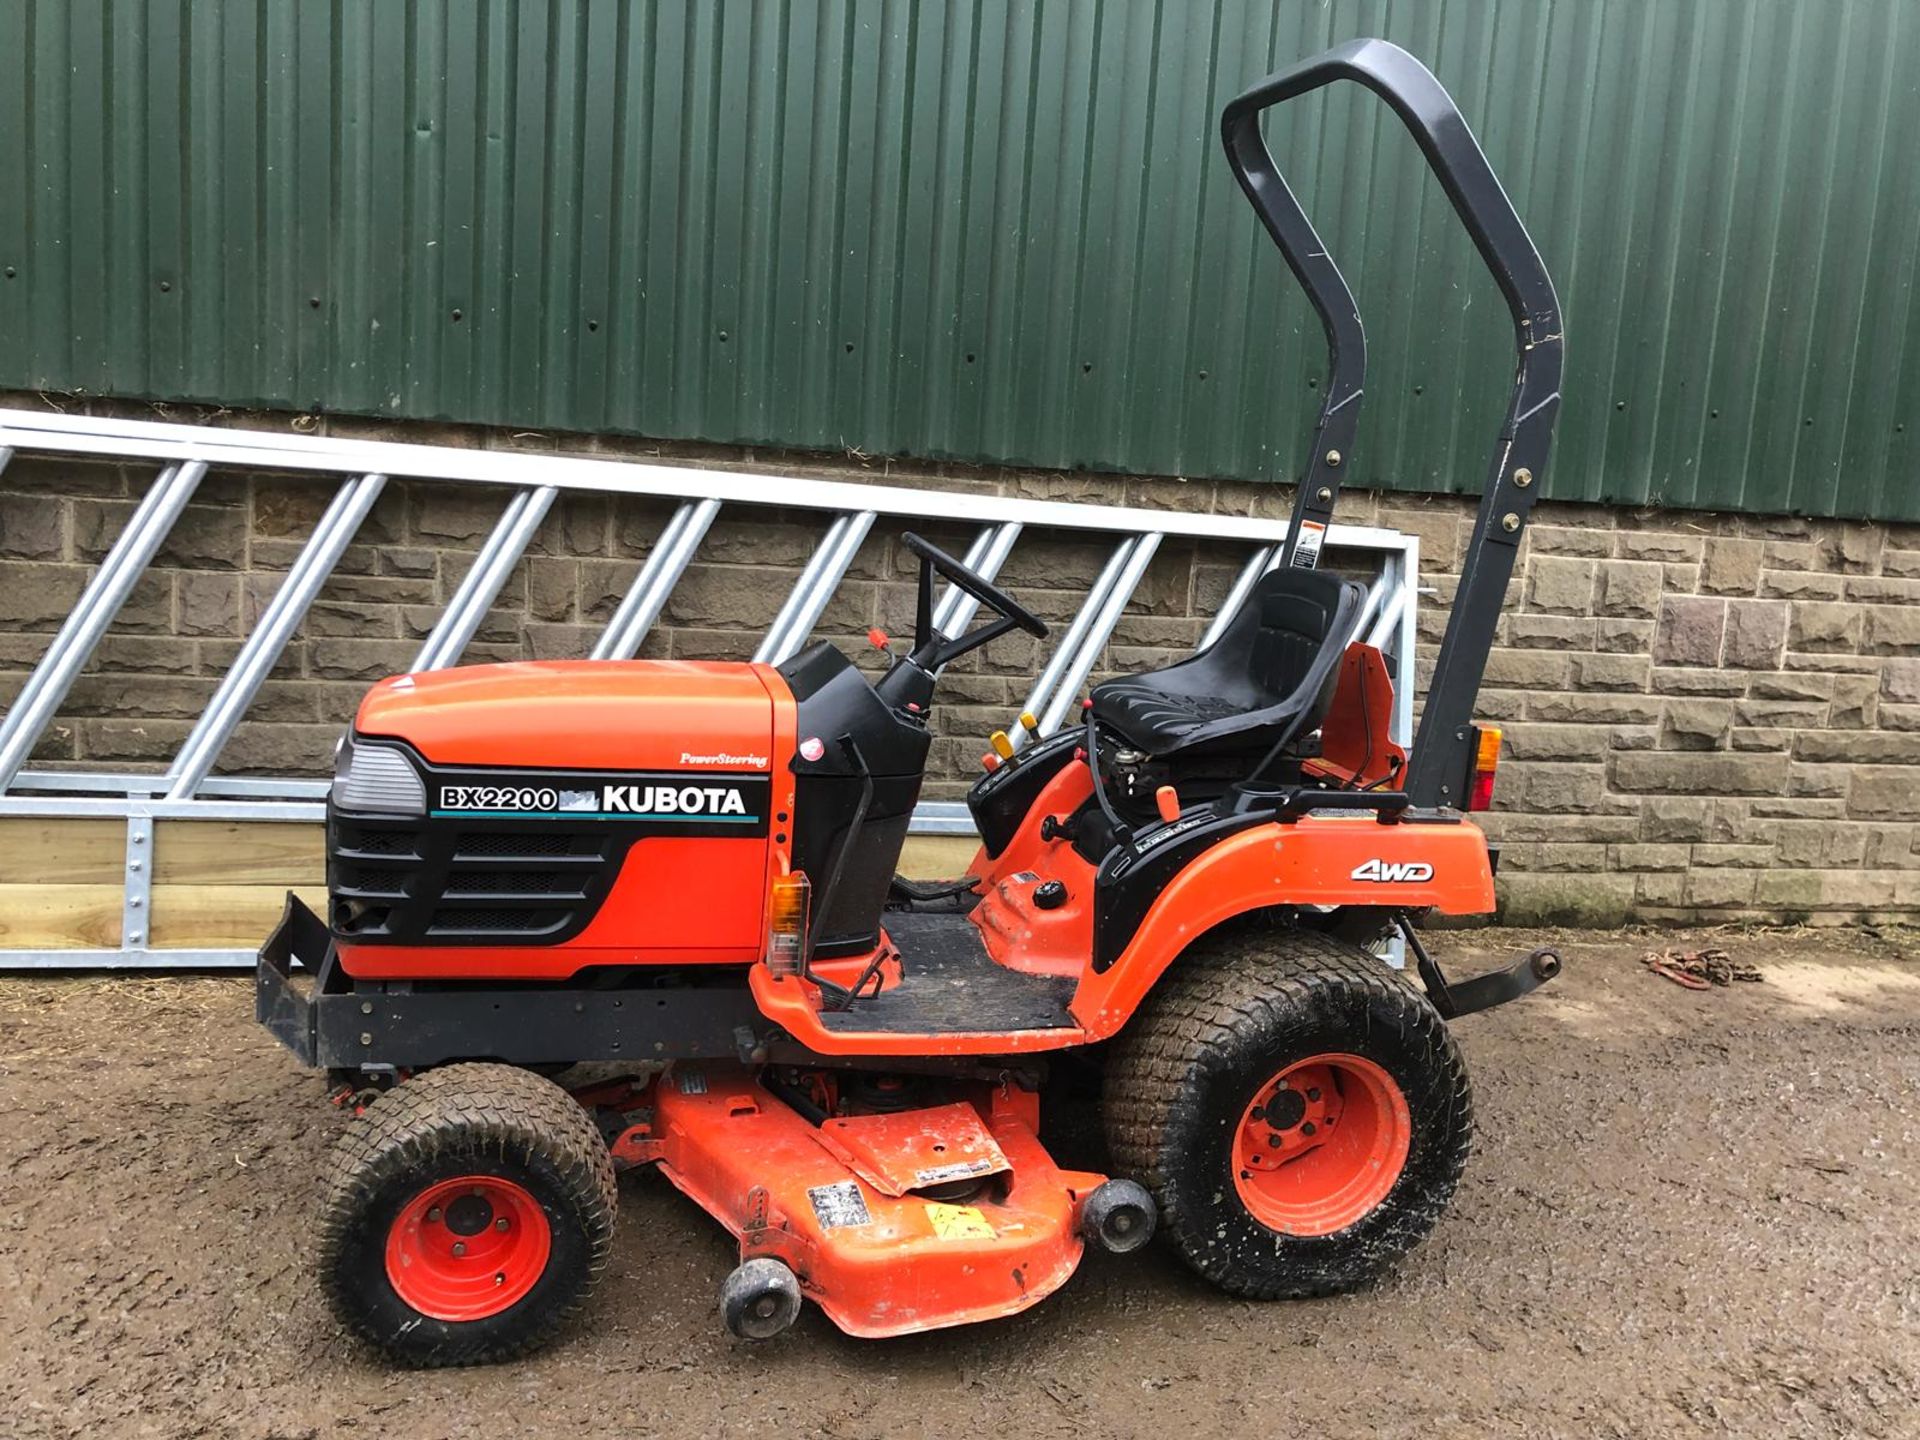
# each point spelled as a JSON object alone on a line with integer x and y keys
{"x": 394, "y": 882}
{"x": 518, "y": 882}
{"x": 517, "y": 920}
{"x": 382, "y": 879}
{"x": 494, "y": 845}
{"x": 388, "y": 842}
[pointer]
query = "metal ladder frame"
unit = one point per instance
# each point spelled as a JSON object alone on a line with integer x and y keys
{"x": 188, "y": 790}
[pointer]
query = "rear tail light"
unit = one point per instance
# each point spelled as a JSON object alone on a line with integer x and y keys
{"x": 1486, "y": 759}
{"x": 787, "y": 923}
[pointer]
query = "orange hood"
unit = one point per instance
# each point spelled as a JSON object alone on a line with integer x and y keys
{"x": 584, "y": 714}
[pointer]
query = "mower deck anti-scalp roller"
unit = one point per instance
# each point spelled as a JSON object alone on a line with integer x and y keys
{"x": 684, "y": 874}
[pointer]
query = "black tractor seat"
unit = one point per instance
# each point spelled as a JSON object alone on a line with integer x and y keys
{"x": 1270, "y": 674}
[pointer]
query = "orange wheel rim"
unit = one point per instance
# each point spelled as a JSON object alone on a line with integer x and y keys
{"x": 468, "y": 1248}
{"x": 1321, "y": 1144}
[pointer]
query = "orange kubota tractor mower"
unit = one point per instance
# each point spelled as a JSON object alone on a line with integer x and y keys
{"x": 686, "y": 871}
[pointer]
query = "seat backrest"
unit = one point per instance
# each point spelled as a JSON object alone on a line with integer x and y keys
{"x": 1293, "y": 627}
{"x": 1297, "y": 609}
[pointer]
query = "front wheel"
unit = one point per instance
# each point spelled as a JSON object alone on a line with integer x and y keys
{"x": 1299, "y": 1112}
{"x": 467, "y": 1213}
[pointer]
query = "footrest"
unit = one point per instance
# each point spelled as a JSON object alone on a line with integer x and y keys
{"x": 952, "y": 999}
{"x": 949, "y": 983}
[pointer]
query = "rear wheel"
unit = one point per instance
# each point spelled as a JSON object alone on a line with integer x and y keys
{"x": 1298, "y": 1110}
{"x": 467, "y": 1213}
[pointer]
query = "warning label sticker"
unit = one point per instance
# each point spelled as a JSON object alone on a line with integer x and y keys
{"x": 959, "y": 1222}
{"x": 839, "y": 1207}
{"x": 960, "y": 1170}
{"x": 1306, "y": 550}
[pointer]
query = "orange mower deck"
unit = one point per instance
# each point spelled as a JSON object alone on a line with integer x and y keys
{"x": 853, "y": 1205}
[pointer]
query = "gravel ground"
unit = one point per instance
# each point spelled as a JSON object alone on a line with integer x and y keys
{"x": 1688, "y": 1214}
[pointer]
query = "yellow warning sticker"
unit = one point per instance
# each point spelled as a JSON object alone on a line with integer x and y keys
{"x": 959, "y": 1222}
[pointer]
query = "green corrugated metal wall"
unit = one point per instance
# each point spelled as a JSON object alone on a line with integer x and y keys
{"x": 985, "y": 229}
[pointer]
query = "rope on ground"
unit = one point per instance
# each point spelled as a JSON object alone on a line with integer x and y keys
{"x": 1699, "y": 969}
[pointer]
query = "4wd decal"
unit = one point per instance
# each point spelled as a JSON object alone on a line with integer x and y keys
{"x": 1393, "y": 872}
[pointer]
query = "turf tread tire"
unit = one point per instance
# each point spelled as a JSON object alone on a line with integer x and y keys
{"x": 1228, "y": 998}
{"x": 465, "y": 1115}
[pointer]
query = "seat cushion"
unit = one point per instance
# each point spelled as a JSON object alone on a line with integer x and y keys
{"x": 1270, "y": 673}
{"x": 1153, "y": 718}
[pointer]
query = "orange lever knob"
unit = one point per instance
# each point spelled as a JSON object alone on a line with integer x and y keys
{"x": 1167, "y": 802}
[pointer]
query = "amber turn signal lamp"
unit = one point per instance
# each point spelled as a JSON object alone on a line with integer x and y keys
{"x": 1486, "y": 759}
{"x": 787, "y": 922}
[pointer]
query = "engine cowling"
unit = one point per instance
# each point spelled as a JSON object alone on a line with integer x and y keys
{"x": 530, "y": 820}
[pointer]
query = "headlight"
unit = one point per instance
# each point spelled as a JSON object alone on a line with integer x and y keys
{"x": 376, "y": 779}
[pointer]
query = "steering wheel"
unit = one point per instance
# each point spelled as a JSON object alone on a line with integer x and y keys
{"x": 976, "y": 585}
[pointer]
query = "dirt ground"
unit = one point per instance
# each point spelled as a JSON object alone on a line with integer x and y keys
{"x": 1687, "y": 1214}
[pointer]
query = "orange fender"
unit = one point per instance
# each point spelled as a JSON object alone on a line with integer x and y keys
{"x": 1317, "y": 860}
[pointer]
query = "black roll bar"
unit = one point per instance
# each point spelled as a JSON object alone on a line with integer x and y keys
{"x": 1442, "y": 750}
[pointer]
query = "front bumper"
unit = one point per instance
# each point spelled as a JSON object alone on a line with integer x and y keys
{"x": 314, "y": 1008}
{"x": 288, "y": 1008}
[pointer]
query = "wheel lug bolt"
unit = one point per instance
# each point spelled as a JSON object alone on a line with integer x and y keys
{"x": 501, "y": 1223}
{"x": 499, "y": 1277}
{"x": 1307, "y": 1129}
{"x": 1314, "y": 1093}
{"x": 459, "y": 1247}
{"x": 433, "y": 1216}
{"x": 1273, "y": 1142}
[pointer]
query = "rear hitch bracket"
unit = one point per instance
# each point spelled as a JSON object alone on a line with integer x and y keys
{"x": 1454, "y": 998}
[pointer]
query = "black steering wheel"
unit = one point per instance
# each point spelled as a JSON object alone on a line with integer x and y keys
{"x": 976, "y": 585}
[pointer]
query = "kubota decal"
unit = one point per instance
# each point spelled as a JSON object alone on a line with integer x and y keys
{"x": 1393, "y": 872}
{"x": 705, "y": 801}
{"x": 672, "y": 799}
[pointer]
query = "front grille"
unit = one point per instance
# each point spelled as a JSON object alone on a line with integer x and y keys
{"x": 518, "y": 920}
{"x": 393, "y": 881}
{"x": 380, "y": 879}
{"x": 497, "y": 845}
{"x": 517, "y": 882}
{"x": 388, "y": 842}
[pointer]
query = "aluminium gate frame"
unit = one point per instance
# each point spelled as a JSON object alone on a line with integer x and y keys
{"x": 188, "y": 790}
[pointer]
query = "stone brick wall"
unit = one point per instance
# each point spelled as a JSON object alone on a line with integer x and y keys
{"x": 1707, "y": 716}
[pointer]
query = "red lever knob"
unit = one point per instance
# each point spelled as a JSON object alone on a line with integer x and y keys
{"x": 877, "y": 638}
